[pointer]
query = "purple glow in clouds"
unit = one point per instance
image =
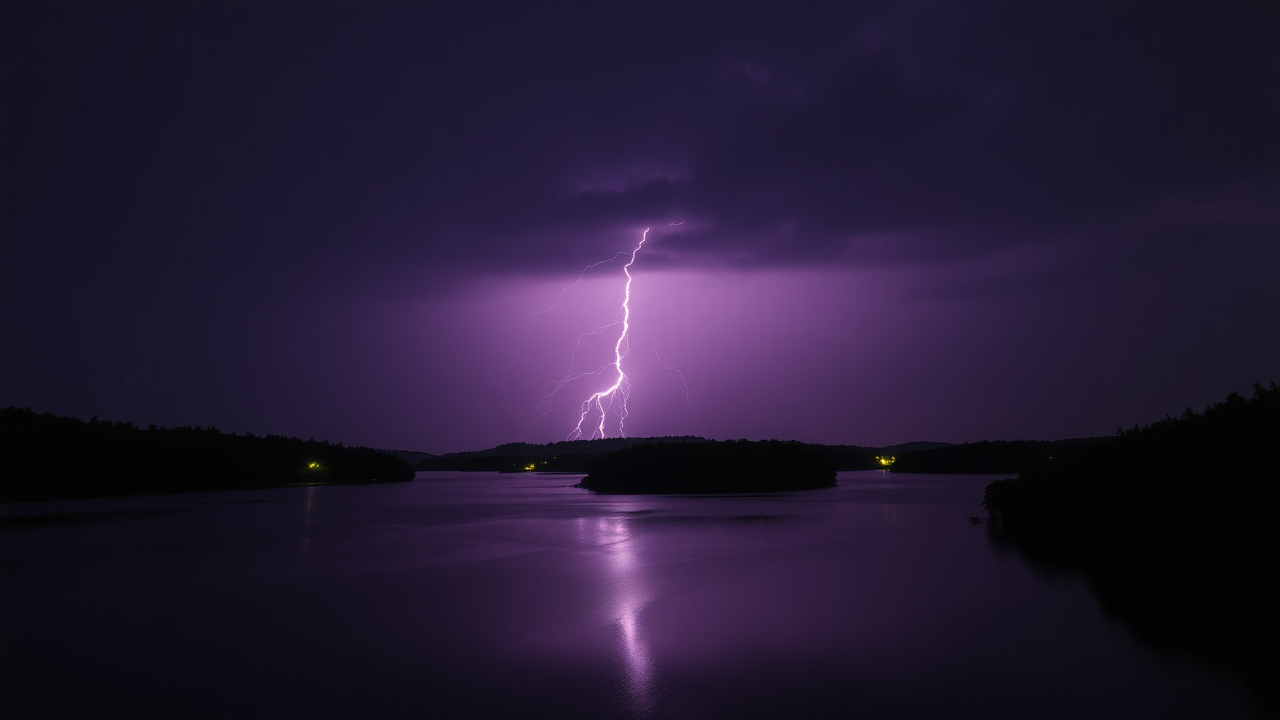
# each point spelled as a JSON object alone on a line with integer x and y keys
{"x": 898, "y": 228}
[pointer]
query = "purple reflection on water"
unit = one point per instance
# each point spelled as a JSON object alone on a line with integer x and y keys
{"x": 506, "y": 596}
{"x": 626, "y": 599}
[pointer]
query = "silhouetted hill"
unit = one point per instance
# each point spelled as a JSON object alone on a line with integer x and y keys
{"x": 598, "y": 446}
{"x": 50, "y": 457}
{"x": 563, "y": 456}
{"x": 732, "y": 466}
{"x": 922, "y": 457}
{"x": 410, "y": 456}
{"x": 578, "y": 455}
{"x": 1174, "y": 526}
{"x": 910, "y": 447}
{"x": 1000, "y": 456}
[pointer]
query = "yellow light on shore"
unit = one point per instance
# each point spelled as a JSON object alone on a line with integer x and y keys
{"x": 886, "y": 461}
{"x": 313, "y": 466}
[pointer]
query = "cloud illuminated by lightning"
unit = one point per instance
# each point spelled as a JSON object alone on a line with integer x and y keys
{"x": 574, "y": 284}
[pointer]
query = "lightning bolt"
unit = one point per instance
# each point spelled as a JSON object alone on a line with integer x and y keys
{"x": 612, "y": 400}
{"x": 618, "y": 392}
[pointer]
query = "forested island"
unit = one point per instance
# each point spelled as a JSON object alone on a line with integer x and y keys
{"x": 710, "y": 467}
{"x": 46, "y": 457}
{"x": 1174, "y": 526}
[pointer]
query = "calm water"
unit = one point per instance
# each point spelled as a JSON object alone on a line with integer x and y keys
{"x": 519, "y": 596}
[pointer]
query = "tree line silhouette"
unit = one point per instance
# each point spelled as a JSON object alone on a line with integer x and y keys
{"x": 580, "y": 456}
{"x": 45, "y": 456}
{"x": 577, "y": 456}
{"x": 998, "y": 456}
{"x": 1174, "y": 526}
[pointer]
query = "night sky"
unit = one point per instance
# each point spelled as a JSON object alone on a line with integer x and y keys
{"x": 871, "y": 223}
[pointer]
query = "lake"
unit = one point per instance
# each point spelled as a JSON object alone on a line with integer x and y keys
{"x": 486, "y": 595}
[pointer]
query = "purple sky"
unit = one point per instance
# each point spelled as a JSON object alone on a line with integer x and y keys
{"x": 943, "y": 221}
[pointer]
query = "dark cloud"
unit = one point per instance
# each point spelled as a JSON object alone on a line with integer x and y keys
{"x": 310, "y": 129}
{"x": 194, "y": 175}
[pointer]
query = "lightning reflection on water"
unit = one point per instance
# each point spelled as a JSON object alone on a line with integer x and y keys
{"x": 625, "y": 599}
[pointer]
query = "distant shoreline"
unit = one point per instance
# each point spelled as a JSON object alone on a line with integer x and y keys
{"x": 987, "y": 457}
{"x": 48, "y": 457}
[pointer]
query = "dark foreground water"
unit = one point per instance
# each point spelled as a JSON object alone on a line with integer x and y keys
{"x": 518, "y": 596}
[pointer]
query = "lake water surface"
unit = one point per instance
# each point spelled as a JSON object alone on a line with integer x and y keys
{"x": 477, "y": 595}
